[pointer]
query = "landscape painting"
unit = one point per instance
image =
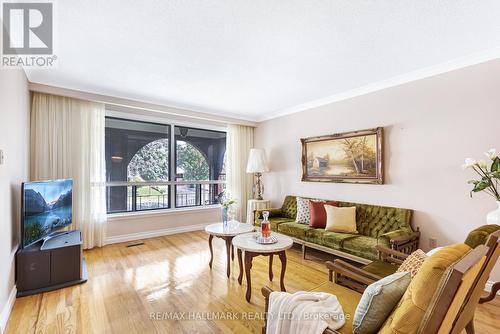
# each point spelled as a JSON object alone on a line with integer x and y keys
{"x": 354, "y": 157}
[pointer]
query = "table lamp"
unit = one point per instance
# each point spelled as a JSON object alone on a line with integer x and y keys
{"x": 257, "y": 164}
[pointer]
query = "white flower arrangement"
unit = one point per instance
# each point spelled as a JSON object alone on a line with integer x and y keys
{"x": 489, "y": 176}
{"x": 226, "y": 201}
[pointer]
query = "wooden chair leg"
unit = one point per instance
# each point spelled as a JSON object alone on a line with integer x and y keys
{"x": 303, "y": 251}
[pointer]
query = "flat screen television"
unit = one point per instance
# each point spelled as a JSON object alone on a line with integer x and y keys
{"x": 47, "y": 206}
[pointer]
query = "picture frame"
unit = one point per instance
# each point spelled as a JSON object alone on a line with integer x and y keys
{"x": 348, "y": 157}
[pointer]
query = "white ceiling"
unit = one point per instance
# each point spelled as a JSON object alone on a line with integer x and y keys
{"x": 255, "y": 59}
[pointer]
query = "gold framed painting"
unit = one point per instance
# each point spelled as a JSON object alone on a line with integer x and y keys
{"x": 350, "y": 157}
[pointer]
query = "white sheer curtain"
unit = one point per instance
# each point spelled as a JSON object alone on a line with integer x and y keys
{"x": 239, "y": 183}
{"x": 67, "y": 141}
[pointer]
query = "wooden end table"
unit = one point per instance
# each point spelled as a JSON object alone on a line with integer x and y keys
{"x": 227, "y": 233}
{"x": 246, "y": 242}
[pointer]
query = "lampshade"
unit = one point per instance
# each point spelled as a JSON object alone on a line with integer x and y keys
{"x": 257, "y": 162}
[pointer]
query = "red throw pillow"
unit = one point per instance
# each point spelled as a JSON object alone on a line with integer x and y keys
{"x": 318, "y": 213}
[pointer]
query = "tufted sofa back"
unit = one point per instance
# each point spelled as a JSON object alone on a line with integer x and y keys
{"x": 371, "y": 220}
{"x": 289, "y": 207}
{"x": 375, "y": 220}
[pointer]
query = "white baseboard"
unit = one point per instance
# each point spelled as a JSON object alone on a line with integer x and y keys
{"x": 155, "y": 233}
{"x": 7, "y": 308}
{"x": 488, "y": 286}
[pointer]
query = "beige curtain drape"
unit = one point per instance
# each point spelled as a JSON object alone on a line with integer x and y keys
{"x": 239, "y": 183}
{"x": 67, "y": 141}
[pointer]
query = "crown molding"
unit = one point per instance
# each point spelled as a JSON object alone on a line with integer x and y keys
{"x": 423, "y": 73}
{"x": 140, "y": 105}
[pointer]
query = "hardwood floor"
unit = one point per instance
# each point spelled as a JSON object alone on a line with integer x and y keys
{"x": 165, "y": 285}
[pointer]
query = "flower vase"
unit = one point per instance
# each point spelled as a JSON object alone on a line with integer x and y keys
{"x": 225, "y": 216}
{"x": 494, "y": 216}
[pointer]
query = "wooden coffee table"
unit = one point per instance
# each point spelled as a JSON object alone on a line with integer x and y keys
{"x": 246, "y": 242}
{"x": 227, "y": 233}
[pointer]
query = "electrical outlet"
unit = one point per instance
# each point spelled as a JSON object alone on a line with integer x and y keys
{"x": 433, "y": 242}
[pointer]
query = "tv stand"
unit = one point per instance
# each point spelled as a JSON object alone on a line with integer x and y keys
{"x": 53, "y": 263}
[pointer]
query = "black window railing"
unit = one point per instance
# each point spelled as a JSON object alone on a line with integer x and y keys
{"x": 141, "y": 196}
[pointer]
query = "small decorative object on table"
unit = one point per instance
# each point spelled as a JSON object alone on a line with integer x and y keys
{"x": 265, "y": 236}
{"x": 265, "y": 225}
{"x": 489, "y": 182}
{"x": 226, "y": 202}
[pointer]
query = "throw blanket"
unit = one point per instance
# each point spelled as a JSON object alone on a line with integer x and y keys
{"x": 303, "y": 313}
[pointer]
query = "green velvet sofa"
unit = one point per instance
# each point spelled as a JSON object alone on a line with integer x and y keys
{"x": 377, "y": 225}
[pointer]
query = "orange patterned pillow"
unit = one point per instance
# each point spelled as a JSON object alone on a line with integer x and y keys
{"x": 413, "y": 262}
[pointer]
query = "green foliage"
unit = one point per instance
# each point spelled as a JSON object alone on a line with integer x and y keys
{"x": 192, "y": 162}
{"x": 489, "y": 177}
{"x": 495, "y": 166}
{"x": 150, "y": 163}
{"x": 225, "y": 200}
{"x": 481, "y": 185}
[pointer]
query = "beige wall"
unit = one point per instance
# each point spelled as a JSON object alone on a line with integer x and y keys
{"x": 14, "y": 118}
{"x": 430, "y": 126}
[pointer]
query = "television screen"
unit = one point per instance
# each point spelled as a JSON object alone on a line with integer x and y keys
{"x": 47, "y": 207}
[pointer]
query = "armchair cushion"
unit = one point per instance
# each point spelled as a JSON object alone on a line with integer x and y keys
{"x": 410, "y": 311}
{"x": 349, "y": 299}
{"x": 380, "y": 268}
{"x": 377, "y": 302}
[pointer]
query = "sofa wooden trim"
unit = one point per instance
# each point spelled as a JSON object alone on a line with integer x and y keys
{"x": 406, "y": 244}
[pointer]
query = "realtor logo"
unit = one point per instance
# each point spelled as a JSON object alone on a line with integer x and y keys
{"x": 28, "y": 30}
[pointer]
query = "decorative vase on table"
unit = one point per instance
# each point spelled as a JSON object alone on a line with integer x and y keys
{"x": 225, "y": 217}
{"x": 226, "y": 202}
{"x": 494, "y": 216}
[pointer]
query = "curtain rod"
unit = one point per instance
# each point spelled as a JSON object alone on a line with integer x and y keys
{"x": 122, "y": 102}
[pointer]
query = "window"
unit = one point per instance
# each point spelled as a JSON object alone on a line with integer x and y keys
{"x": 199, "y": 155}
{"x": 144, "y": 174}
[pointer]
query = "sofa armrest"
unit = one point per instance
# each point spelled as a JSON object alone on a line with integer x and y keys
{"x": 402, "y": 241}
{"x": 390, "y": 255}
{"x": 340, "y": 267}
{"x": 266, "y": 292}
{"x": 273, "y": 212}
